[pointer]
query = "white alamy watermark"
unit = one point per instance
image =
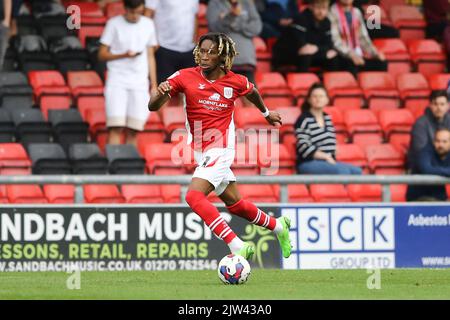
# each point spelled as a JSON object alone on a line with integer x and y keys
{"x": 374, "y": 280}
{"x": 73, "y": 282}
{"x": 74, "y": 20}
{"x": 373, "y": 17}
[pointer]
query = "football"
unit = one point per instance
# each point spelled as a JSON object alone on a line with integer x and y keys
{"x": 234, "y": 269}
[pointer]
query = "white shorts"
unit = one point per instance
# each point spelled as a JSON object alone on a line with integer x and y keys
{"x": 214, "y": 166}
{"x": 126, "y": 107}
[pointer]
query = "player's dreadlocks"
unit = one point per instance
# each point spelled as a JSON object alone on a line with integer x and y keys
{"x": 225, "y": 46}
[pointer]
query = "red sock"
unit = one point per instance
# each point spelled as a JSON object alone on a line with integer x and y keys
{"x": 210, "y": 215}
{"x": 249, "y": 211}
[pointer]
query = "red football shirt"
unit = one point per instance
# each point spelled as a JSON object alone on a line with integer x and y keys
{"x": 209, "y": 106}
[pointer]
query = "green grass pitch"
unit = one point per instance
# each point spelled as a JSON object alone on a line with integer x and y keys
{"x": 262, "y": 284}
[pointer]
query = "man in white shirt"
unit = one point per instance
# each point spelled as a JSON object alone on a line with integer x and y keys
{"x": 128, "y": 45}
{"x": 176, "y": 27}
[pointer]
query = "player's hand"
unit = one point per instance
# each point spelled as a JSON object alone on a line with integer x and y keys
{"x": 164, "y": 88}
{"x": 273, "y": 118}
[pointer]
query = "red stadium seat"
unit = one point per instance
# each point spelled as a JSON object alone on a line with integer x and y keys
{"x": 84, "y": 83}
{"x": 409, "y": 20}
{"x": 89, "y": 31}
{"x": 297, "y": 193}
{"x": 86, "y": 8}
{"x": 173, "y": 118}
{"x": 401, "y": 142}
{"x": 275, "y": 159}
{"x": 439, "y": 81}
{"x": 289, "y": 143}
{"x": 387, "y": 4}
{"x": 258, "y": 192}
{"x": 171, "y": 193}
{"x": 25, "y": 193}
{"x": 263, "y": 55}
{"x": 14, "y": 159}
{"x": 364, "y": 192}
{"x": 250, "y": 118}
{"x": 153, "y": 132}
{"x": 428, "y": 56}
{"x": 379, "y": 89}
{"x": 299, "y": 83}
{"x": 385, "y": 159}
{"x": 102, "y": 193}
{"x": 289, "y": 116}
{"x": 362, "y": 123}
{"x": 414, "y": 91}
{"x": 398, "y": 192}
{"x": 160, "y": 160}
{"x": 352, "y": 154}
{"x": 113, "y": 9}
{"x": 337, "y": 117}
{"x": 396, "y": 53}
{"x": 343, "y": 89}
{"x": 50, "y": 90}
{"x": 136, "y": 193}
{"x": 447, "y": 187}
{"x": 396, "y": 122}
{"x": 273, "y": 89}
{"x": 329, "y": 193}
{"x": 246, "y": 160}
{"x": 59, "y": 193}
{"x": 3, "y": 197}
{"x": 86, "y": 103}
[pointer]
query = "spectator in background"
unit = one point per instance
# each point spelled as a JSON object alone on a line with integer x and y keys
{"x": 307, "y": 42}
{"x": 435, "y": 116}
{"x": 352, "y": 41}
{"x": 277, "y": 15}
{"x": 5, "y": 18}
{"x": 316, "y": 137}
{"x": 240, "y": 20}
{"x": 127, "y": 44}
{"x": 436, "y": 12}
{"x": 432, "y": 159}
{"x": 176, "y": 28}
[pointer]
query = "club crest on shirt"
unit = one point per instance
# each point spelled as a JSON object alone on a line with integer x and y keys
{"x": 227, "y": 92}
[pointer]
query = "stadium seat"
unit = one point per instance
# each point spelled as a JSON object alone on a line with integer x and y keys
{"x": 401, "y": 142}
{"x": 258, "y": 192}
{"x": 136, "y": 193}
{"x": 102, "y": 193}
{"x": 50, "y": 89}
{"x": 428, "y": 56}
{"x": 250, "y": 118}
{"x": 87, "y": 8}
{"x": 299, "y": 83}
{"x": 15, "y": 92}
{"x": 362, "y": 123}
{"x": 25, "y": 193}
{"x": 32, "y": 53}
{"x": 385, "y": 159}
{"x": 89, "y": 32}
{"x": 3, "y": 197}
{"x": 14, "y": 159}
{"x": 86, "y": 158}
{"x": 273, "y": 89}
{"x": 7, "y": 127}
{"x": 263, "y": 55}
{"x": 53, "y": 27}
{"x": 329, "y": 193}
{"x": 31, "y": 126}
{"x": 97, "y": 125}
{"x": 85, "y": 103}
{"x": 124, "y": 159}
{"x": 379, "y": 89}
{"x": 59, "y": 193}
{"x": 48, "y": 158}
{"x": 297, "y": 193}
{"x": 364, "y": 192}
{"x": 275, "y": 159}
{"x": 343, "y": 90}
{"x": 396, "y": 122}
{"x": 337, "y": 117}
{"x": 289, "y": 116}
{"x": 113, "y": 9}
{"x": 396, "y": 53}
{"x": 69, "y": 54}
{"x": 68, "y": 127}
{"x": 173, "y": 118}
{"x": 414, "y": 91}
{"x": 84, "y": 83}
{"x": 409, "y": 20}
{"x": 352, "y": 154}
{"x": 246, "y": 159}
{"x": 439, "y": 81}
{"x": 289, "y": 143}
{"x": 171, "y": 193}
{"x": 398, "y": 192}
{"x": 159, "y": 160}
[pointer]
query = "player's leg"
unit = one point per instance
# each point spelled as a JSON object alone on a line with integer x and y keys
{"x": 136, "y": 115}
{"x": 247, "y": 210}
{"x": 115, "y": 108}
{"x": 207, "y": 176}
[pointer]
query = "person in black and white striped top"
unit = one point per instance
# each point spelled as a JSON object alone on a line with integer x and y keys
{"x": 316, "y": 137}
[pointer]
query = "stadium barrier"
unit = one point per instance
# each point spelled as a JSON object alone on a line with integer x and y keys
{"x": 283, "y": 181}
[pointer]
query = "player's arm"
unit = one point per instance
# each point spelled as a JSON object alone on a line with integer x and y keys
{"x": 152, "y": 68}
{"x": 104, "y": 54}
{"x": 272, "y": 117}
{"x": 162, "y": 96}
